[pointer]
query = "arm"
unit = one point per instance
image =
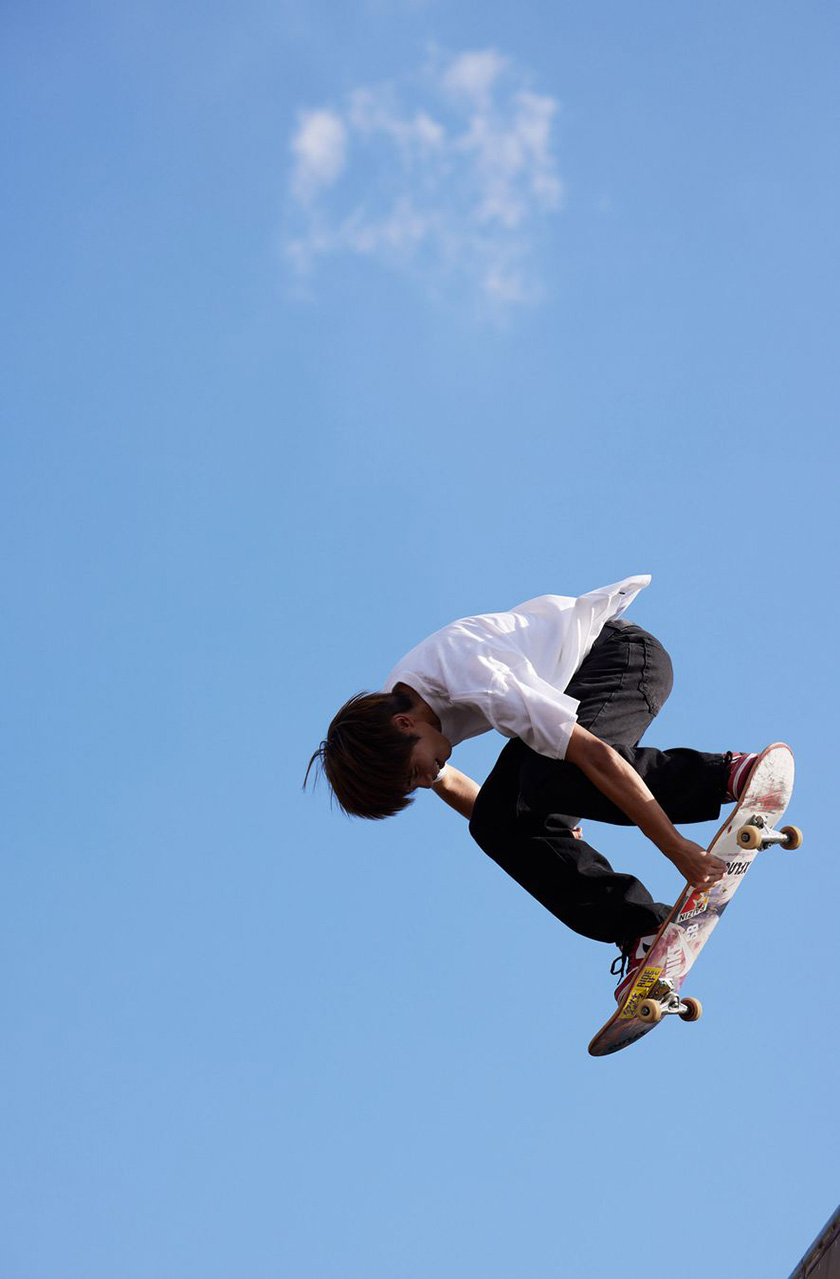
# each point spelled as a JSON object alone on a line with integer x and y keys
{"x": 457, "y": 790}
{"x": 617, "y": 780}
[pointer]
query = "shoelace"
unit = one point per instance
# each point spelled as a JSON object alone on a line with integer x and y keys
{"x": 620, "y": 965}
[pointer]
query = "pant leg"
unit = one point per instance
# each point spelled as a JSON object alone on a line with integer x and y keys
{"x": 566, "y": 875}
{"x": 621, "y": 686}
{"x": 574, "y": 882}
{"x": 689, "y": 785}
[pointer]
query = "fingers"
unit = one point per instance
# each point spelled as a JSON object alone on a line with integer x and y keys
{"x": 700, "y": 869}
{"x": 709, "y": 873}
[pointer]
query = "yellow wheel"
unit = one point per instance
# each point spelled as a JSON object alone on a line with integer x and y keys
{"x": 693, "y": 1010}
{"x": 793, "y": 837}
{"x": 750, "y": 837}
{"x": 649, "y": 1010}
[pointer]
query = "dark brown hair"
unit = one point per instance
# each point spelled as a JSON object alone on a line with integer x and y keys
{"x": 365, "y": 758}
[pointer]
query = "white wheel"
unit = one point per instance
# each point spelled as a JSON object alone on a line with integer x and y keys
{"x": 749, "y": 837}
{"x": 693, "y": 1010}
{"x": 793, "y": 837}
{"x": 650, "y": 1011}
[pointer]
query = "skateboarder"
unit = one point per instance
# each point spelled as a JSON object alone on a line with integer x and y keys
{"x": 574, "y": 685}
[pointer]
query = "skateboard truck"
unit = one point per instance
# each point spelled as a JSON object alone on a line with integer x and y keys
{"x": 664, "y": 1001}
{"x": 757, "y": 834}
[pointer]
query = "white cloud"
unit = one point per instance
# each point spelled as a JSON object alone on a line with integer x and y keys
{"x": 474, "y": 74}
{"x": 373, "y": 111}
{"x": 450, "y": 174}
{"x": 320, "y": 150}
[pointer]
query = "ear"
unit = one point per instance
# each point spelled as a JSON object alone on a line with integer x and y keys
{"x": 404, "y": 722}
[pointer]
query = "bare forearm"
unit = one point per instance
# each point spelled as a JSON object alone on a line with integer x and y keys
{"x": 457, "y": 790}
{"x": 622, "y": 784}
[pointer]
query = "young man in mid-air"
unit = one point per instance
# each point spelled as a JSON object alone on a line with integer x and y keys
{"x": 574, "y": 685}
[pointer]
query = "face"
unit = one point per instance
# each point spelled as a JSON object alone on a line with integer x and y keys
{"x": 429, "y": 753}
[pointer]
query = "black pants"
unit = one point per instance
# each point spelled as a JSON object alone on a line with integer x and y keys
{"x": 521, "y": 816}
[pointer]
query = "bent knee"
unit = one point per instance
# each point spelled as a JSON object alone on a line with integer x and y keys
{"x": 659, "y": 674}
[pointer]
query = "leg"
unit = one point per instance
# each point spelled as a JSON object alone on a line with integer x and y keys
{"x": 564, "y": 874}
{"x": 574, "y": 882}
{"x": 621, "y": 686}
{"x": 690, "y": 786}
{"x": 623, "y": 683}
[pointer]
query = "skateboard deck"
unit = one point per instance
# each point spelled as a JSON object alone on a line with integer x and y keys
{"x": 749, "y": 828}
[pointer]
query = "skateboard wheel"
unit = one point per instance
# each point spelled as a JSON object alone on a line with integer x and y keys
{"x": 750, "y": 837}
{"x": 693, "y": 1010}
{"x": 649, "y": 1010}
{"x": 793, "y": 837}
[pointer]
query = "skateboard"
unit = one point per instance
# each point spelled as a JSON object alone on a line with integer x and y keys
{"x": 750, "y": 828}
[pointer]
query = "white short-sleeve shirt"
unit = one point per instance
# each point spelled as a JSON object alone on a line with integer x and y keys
{"x": 508, "y": 671}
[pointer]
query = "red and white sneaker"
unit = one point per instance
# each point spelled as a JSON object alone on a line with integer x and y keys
{"x": 740, "y": 767}
{"x": 633, "y": 958}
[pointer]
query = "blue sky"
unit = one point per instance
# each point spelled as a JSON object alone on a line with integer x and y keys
{"x": 324, "y": 325}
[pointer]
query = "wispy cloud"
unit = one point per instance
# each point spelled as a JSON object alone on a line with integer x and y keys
{"x": 449, "y": 175}
{"x": 320, "y": 149}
